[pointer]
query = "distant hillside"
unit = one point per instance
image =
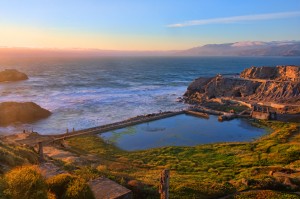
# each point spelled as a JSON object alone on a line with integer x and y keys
{"x": 247, "y": 48}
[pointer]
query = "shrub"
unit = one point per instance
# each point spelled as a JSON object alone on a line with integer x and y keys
{"x": 87, "y": 173}
{"x": 51, "y": 195}
{"x": 58, "y": 184}
{"x": 292, "y": 156}
{"x": 25, "y": 182}
{"x": 68, "y": 186}
{"x": 78, "y": 189}
{"x": 2, "y": 187}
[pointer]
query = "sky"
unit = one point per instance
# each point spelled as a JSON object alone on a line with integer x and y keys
{"x": 145, "y": 25}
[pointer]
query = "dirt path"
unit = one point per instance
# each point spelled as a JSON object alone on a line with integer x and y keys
{"x": 49, "y": 169}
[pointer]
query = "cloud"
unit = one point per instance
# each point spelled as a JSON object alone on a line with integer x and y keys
{"x": 244, "y": 18}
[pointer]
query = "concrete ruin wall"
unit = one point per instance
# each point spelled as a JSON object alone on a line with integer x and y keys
{"x": 260, "y": 115}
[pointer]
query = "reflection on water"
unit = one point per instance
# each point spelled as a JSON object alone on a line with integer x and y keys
{"x": 181, "y": 130}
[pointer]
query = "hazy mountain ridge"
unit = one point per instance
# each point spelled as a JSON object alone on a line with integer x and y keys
{"x": 246, "y": 48}
{"x": 243, "y": 48}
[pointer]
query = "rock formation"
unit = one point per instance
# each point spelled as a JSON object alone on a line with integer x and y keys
{"x": 279, "y": 84}
{"x": 9, "y": 75}
{"x": 24, "y": 112}
{"x": 279, "y": 73}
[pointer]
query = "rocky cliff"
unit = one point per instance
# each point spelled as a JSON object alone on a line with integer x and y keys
{"x": 26, "y": 112}
{"x": 268, "y": 84}
{"x": 9, "y": 75}
{"x": 280, "y": 73}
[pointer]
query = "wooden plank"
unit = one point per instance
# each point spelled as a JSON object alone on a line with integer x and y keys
{"x": 164, "y": 184}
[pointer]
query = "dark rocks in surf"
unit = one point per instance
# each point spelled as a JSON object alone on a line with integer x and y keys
{"x": 11, "y": 75}
{"x": 23, "y": 112}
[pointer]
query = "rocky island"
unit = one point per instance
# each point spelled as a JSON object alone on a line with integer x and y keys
{"x": 11, "y": 75}
{"x": 274, "y": 87}
{"x": 24, "y": 112}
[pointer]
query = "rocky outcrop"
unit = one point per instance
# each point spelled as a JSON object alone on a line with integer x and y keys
{"x": 10, "y": 75}
{"x": 220, "y": 86}
{"x": 279, "y": 73}
{"x": 26, "y": 112}
{"x": 268, "y": 84}
{"x": 264, "y": 72}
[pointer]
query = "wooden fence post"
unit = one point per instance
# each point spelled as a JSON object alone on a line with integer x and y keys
{"x": 164, "y": 184}
{"x": 40, "y": 152}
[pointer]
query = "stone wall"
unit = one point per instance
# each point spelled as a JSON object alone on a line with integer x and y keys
{"x": 260, "y": 115}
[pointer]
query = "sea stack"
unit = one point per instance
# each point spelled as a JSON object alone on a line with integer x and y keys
{"x": 11, "y": 75}
{"x": 23, "y": 112}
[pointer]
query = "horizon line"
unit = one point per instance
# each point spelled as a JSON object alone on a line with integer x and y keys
{"x": 116, "y": 50}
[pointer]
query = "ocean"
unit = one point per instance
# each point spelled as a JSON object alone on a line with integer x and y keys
{"x": 88, "y": 92}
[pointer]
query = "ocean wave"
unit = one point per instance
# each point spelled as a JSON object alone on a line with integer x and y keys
{"x": 88, "y": 93}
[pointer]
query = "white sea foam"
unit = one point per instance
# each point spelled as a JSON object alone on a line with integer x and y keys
{"x": 85, "y": 93}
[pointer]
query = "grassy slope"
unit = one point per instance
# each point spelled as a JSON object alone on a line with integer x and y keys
{"x": 204, "y": 171}
{"x": 12, "y": 155}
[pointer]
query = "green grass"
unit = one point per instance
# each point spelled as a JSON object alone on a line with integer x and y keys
{"x": 12, "y": 155}
{"x": 204, "y": 171}
{"x": 265, "y": 194}
{"x": 28, "y": 182}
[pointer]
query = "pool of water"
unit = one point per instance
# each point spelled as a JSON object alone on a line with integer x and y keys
{"x": 182, "y": 130}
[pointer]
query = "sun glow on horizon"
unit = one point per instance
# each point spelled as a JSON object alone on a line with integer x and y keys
{"x": 144, "y": 25}
{"x": 32, "y": 37}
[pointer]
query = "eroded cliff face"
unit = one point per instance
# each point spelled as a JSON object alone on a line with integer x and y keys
{"x": 268, "y": 84}
{"x": 23, "y": 112}
{"x": 279, "y": 73}
{"x": 281, "y": 92}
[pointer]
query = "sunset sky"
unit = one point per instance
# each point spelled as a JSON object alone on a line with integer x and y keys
{"x": 145, "y": 25}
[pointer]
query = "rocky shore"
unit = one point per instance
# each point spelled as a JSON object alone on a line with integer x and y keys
{"x": 24, "y": 112}
{"x": 11, "y": 75}
{"x": 277, "y": 87}
{"x": 264, "y": 167}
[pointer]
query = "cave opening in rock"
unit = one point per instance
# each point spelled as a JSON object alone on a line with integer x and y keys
{"x": 237, "y": 93}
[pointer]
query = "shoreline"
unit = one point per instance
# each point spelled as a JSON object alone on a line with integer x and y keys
{"x": 94, "y": 130}
{"x": 33, "y": 138}
{"x": 225, "y": 162}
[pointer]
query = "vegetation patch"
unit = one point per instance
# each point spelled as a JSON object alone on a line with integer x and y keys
{"x": 12, "y": 155}
{"x": 263, "y": 194}
{"x": 204, "y": 171}
{"x": 236, "y": 170}
{"x": 25, "y": 182}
